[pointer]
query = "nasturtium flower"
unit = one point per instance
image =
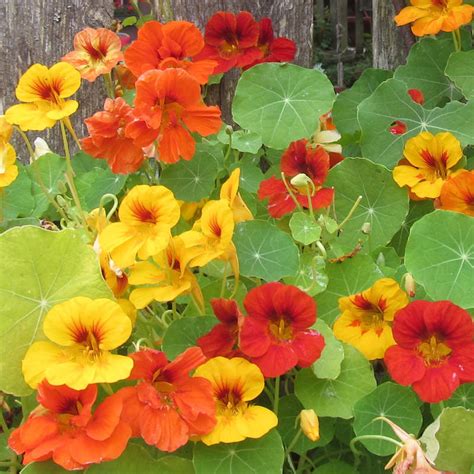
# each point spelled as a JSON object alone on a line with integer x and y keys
{"x": 168, "y": 106}
{"x": 230, "y": 192}
{"x": 147, "y": 214}
{"x": 366, "y": 318}
{"x": 417, "y": 96}
{"x": 81, "y": 333}
{"x": 96, "y": 52}
{"x": 167, "y": 406}
{"x": 44, "y": 93}
{"x": 6, "y": 130}
{"x": 223, "y": 338}
{"x": 231, "y": 40}
{"x": 457, "y": 193}
{"x": 170, "y": 45}
{"x": 276, "y": 333}
{"x": 430, "y": 161}
{"x": 107, "y": 138}
{"x": 235, "y": 383}
{"x": 65, "y": 428}
{"x": 167, "y": 276}
{"x": 8, "y": 169}
{"x": 326, "y": 136}
{"x": 274, "y": 50}
{"x": 435, "y": 349}
{"x": 114, "y": 276}
{"x": 429, "y": 17}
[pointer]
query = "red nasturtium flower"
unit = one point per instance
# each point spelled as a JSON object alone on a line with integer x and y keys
{"x": 169, "y": 106}
{"x": 172, "y": 45}
{"x": 167, "y": 406}
{"x": 96, "y": 52}
{"x": 398, "y": 127}
{"x": 457, "y": 193}
{"x": 276, "y": 334}
{"x": 299, "y": 158}
{"x": 417, "y": 96}
{"x": 274, "y": 50}
{"x": 231, "y": 40}
{"x": 65, "y": 428}
{"x": 435, "y": 349}
{"x": 108, "y": 140}
{"x": 223, "y": 338}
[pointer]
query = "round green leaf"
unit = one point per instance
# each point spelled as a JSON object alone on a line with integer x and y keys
{"x": 344, "y": 111}
{"x": 263, "y": 455}
{"x": 264, "y": 251}
{"x": 440, "y": 255}
{"x": 47, "y": 268}
{"x": 460, "y": 69}
{"x": 191, "y": 180}
{"x": 304, "y": 229}
{"x": 424, "y": 70}
{"x": 391, "y": 102}
{"x": 311, "y": 275}
{"x": 336, "y": 398}
{"x": 242, "y": 140}
{"x": 398, "y": 404}
{"x": 462, "y": 397}
{"x": 17, "y": 200}
{"x": 384, "y": 204}
{"x": 346, "y": 278}
{"x": 328, "y": 366}
{"x": 183, "y": 333}
{"x": 281, "y": 102}
{"x": 250, "y": 173}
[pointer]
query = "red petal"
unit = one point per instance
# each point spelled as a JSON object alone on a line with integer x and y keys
{"x": 417, "y": 96}
{"x": 308, "y": 346}
{"x": 277, "y": 360}
{"x": 254, "y": 338}
{"x": 179, "y": 369}
{"x": 295, "y": 305}
{"x": 438, "y": 384}
{"x": 145, "y": 363}
{"x": 105, "y": 419}
{"x": 219, "y": 341}
{"x": 404, "y": 365}
{"x": 259, "y": 301}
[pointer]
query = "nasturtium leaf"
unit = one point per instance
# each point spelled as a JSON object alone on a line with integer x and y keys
{"x": 311, "y": 275}
{"x": 182, "y": 333}
{"x": 328, "y": 366}
{"x": 264, "y": 251}
{"x": 289, "y": 410}
{"x": 344, "y": 112}
{"x": 215, "y": 79}
{"x": 460, "y": 69}
{"x": 251, "y": 456}
{"x": 462, "y": 397}
{"x": 398, "y": 404}
{"x": 281, "y": 102}
{"x": 191, "y": 180}
{"x": 384, "y": 205}
{"x": 336, "y": 398}
{"x": 50, "y": 169}
{"x": 424, "y": 70}
{"x": 17, "y": 200}
{"x": 304, "y": 228}
{"x": 250, "y": 174}
{"x": 46, "y": 467}
{"x": 346, "y": 278}
{"x": 38, "y": 269}
{"x": 91, "y": 186}
{"x": 391, "y": 102}
{"x": 83, "y": 163}
{"x": 440, "y": 255}
{"x": 336, "y": 466}
{"x": 21, "y": 221}
{"x": 449, "y": 440}
{"x": 242, "y": 140}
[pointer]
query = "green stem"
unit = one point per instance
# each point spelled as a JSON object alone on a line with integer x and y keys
{"x": 290, "y": 192}
{"x": 70, "y": 129}
{"x": 351, "y": 212}
{"x": 109, "y": 86}
{"x": 310, "y": 201}
{"x": 229, "y": 148}
{"x": 3, "y": 423}
{"x": 293, "y": 441}
{"x": 456, "y": 40}
{"x": 107, "y": 388}
{"x": 358, "y": 453}
{"x": 224, "y": 280}
{"x": 276, "y": 398}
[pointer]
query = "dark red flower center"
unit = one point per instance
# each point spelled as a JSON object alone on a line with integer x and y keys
{"x": 434, "y": 351}
{"x": 437, "y": 164}
{"x": 229, "y": 399}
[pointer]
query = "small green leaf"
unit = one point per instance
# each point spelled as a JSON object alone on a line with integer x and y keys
{"x": 460, "y": 69}
{"x": 215, "y": 79}
{"x": 328, "y": 366}
{"x": 462, "y": 397}
{"x": 17, "y": 200}
{"x": 242, "y": 140}
{"x": 311, "y": 276}
{"x": 129, "y": 21}
{"x": 304, "y": 229}
{"x": 281, "y": 102}
{"x": 264, "y": 251}
{"x": 250, "y": 174}
{"x": 336, "y": 398}
{"x": 251, "y": 456}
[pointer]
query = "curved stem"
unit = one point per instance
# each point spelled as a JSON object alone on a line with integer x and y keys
{"x": 276, "y": 398}
{"x": 290, "y": 192}
{"x": 358, "y": 453}
{"x": 349, "y": 215}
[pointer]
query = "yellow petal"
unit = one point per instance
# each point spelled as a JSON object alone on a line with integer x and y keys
{"x": 255, "y": 421}
{"x": 29, "y": 117}
{"x": 66, "y": 76}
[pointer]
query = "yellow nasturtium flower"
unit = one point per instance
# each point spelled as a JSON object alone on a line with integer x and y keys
{"x": 44, "y": 94}
{"x": 147, "y": 215}
{"x": 81, "y": 333}
{"x": 366, "y": 319}
{"x": 8, "y": 169}
{"x": 230, "y": 192}
{"x": 430, "y": 162}
{"x": 6, "y": 129}
{"x": 235, "y": 383}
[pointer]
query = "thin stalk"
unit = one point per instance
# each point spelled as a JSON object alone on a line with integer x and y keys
{"x": 276, "y": 398}
{"x": 3, "y": 423}
{"x": 456, "y": 40}
{"x": 293, "y": 441}
{"x": 107, "y": 388}
{"x": 71, "y": 130}
{"x": 358, "y": 453}
{"x": 310, "y": 202}
{"x": 224, "y": 280}
{"x": 229, "y": 148}
{"x": 349, "y": 215}
{"x": 290, "y": 192}
{"x": 109, "y": 86}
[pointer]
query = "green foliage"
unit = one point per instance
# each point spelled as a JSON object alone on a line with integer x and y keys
{"x": 304, "y": 229}
{"x": 460, "y": 69}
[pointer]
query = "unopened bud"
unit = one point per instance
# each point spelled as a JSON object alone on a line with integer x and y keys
{"x": 410, "y": 285}
{"x": 301, "y": 179}
{"x": 229, "y": 130}
{"x": 366, "y": 227}
{"x": 309, "y": 424}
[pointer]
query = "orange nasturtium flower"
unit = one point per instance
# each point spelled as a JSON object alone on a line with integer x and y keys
{"x": 44, "y": 92}
{"x": 366, "y": 317}
{"x": 457, "y": 193}
{"x": 81, "y": 333}
{"x": 429, "y": 17}
{"x": 96, "y": 52}
{"x": 235, "y": 383}
{"x": 8, "y": 169}
{"x": 169, "y": 106}
{"x": 171, "y": 45}
{"x": 230, "y": 192}
{"x": 147, "y": 214}
{"x": 430, "y": 159}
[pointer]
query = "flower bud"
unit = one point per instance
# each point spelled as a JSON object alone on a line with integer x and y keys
{"x": 366, "y": 228}
{"x": 309, "y": 424}
{"x": 410, "y": 285}
{"x": 301, "y": 179}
